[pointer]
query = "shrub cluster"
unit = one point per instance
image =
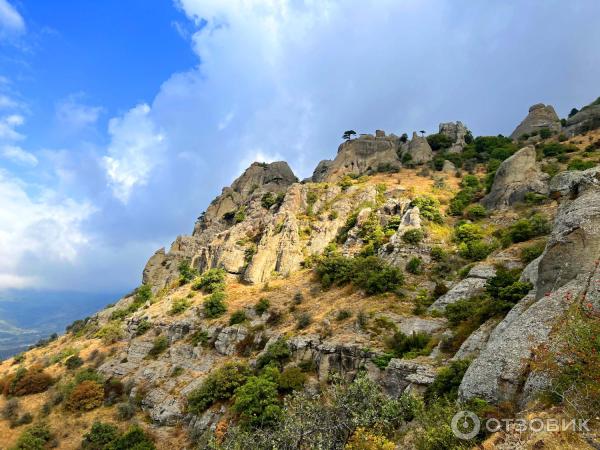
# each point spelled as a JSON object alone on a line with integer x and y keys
{"x": 270, "y": 198}
{"x": 429, "y": 208}
{"x": 471, "y": 190}
{"x": 410, "y": 346}
{"x": 25, "y": 382}
{"x": 142, "y": 295}
{"x": 213, "y": 280}
{"x": 368, "y": 273}
{"x": 214, "y": 306}
{"x": 525, "y": 229}
{"x": 107, "y": 436}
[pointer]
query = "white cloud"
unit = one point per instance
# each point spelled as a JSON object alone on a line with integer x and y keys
{"x": 8, "y": 125}
{"x": 7, "y": 103}
{"x": 74, "y": 116}
{"x": 136, "y": 148}
{"x": 18, "y": 155}
{"x": 42, "y": 226}
{"x": 11, "y": 22}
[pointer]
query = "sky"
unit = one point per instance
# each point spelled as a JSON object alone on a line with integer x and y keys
{"x": 121, "y": 120}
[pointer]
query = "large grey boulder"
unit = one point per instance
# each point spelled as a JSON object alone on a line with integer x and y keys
{"x": 540, "y": 116}
{"x": 419, "y": 150}
{"x": 471, "y": 286}
{"x": 515, "y": 177}
{"x": 457, "y": 132}
{"x": 362, "y": 155}
{"x": 585, "y": 120}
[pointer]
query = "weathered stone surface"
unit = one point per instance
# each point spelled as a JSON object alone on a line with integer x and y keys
{"x": 540, "y": 116}
{"x": 448, "y": 167}
{"x": 359, "y": 156}
{"x": 472, "y": 285}
{"x": 473, "y": 345}
{"x": 457, "y": 132}
{"x": 515, "y": 177}
{"x": 585, "y": 120}
{"x": 320, "y": 172}
{"x": 401, "y": 375}
{"x": 162, "y": 407}
{"x": 530, "y": 272}
{"x": 419, "y": 150}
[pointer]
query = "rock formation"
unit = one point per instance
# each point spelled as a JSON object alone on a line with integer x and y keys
{"x": 585, "y": 120}
{"x": 540, "y": 116}
{"x": 457, "y": 132}
{"x": 419, "y": 150}
{"x": 515, "y": 177}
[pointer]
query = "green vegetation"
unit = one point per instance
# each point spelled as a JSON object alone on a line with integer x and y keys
{"x": 342, "y": 315}
{"x": 368, "y": 273}
{"x": 429, "y": 208}
{"x": 212, "y": 280}
{"x": 303, "y": 321}
{"x": 439, "y": 141}
{"x": 525, "y": 229}
{"x": 471, "y": 190}
{"x": 404, "y": 346}
{"x": 25, "y": 382}
{"x": 142, "y": 295}
{"x": 447, "y": 381}
{"x": 160, "y": 344}
{"x": 531, "y": 252}
{"x": 262, "y": 306}
{"x": 578, "y": 164}
{"x": 36, "y": 437}
{"x": 475, "y": 212}
{"x": 413, "y": 236}
{"x": 178, "y": 306}
{"x": 471, "y": 243}
{"x": 238, "y": 316}
{"x": 270, "y": 198}
{"x": 104, "y": 436}
{"x": 214, "y": 305}
{"x": 257, "y": 402}
{"x": 415, "y": 265}
{"x": 277, "y": 353}
{"x": 186, "y": 272}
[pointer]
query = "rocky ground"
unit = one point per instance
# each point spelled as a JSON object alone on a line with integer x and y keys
{"x": 454, "y": 216}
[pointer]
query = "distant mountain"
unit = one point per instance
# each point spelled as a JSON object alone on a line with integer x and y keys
{"x": 28, "y": 316}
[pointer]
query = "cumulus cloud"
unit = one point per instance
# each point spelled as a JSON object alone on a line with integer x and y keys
{"x": 18, "y": 155}
{"x": 8, "y": 125}
{"x": 42, "y": 225}
{"x": 11, "y": 22}
{"x": 136, "y": 148}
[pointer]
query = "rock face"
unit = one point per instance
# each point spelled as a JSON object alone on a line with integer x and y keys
{"x": 566, "y": 272}
{"x": 515, "y": 177}
{"x": 419, "y": 150}
{"x": 365, "y": 154}
{"x": 457, "y": 132}
{"x": 320, "y": 172}
{"x": 585, "y": 120}
{"x": 473, "y": 285}
{"x": 540, "y": 116}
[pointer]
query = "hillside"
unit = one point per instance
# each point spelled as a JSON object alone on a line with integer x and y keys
{"x": 406, "y": 280}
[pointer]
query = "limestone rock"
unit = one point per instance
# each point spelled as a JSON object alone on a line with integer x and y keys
{"x": 359, "y": 156}
{"x": 457, "y": 132}
{"x": 419, "y": 150}
{"x": 585, "y": 120}
{"x": 515, "y": 177}
{"x": 448, "y": 167}
{"x": 476, "y": 342}
{"x": 540, "y": 116}
{"x": 472, "y": 285}
{"x": 320, "y": 172}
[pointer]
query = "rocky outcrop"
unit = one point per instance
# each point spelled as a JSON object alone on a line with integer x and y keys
{"x": 540, "y": 116}
{"x": 321, "y": 171}
{"x": 585, "y": 120}
{"x": 366, "y": 154}
{"x": 476, "y": 342}
{"x": 471, "y": 286}
{"x": 457, "y": 132}
{"x": 418, "y": 150}
{"x": 515, "y": 177}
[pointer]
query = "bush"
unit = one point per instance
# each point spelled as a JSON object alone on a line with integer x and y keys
{"x": 303, "y": 321}
{"x": 262, "y": 306}
{"x": 476, "y": 212}
{"x": 88, "y": 374}
{"x": 186, "y": 272}
{"x": 414, "y": 265}
{"x": 257, "y": 402}
{"x": 111, "y": 332}
{"x": 212, "y": 280}
{"x": 468, "y": 232}
{"x": 142, "y": 327}
{"x": 413, "y": 236}
{"x": 219, "y": 385}
{"x": 36, "y": 437}
{"x": 199, "y": 337}
{"x": 532, "y": 198}
{"x": 238, "y": 316}
{"x": 107, "y": 437}
{"x": 178, "y": 306}
{"x": 439, "y": 141}
{"x": 26, "y": 381}
{"x": 408, "y": 346}
{"x": 531, "y": 252}
{"x": 125, "y": 411}
{"x": 343, "y": 314}
{"x": 73, "y": 362}
{"x": 86, "y": 396}
{"x": 528, "y": 228}
{"x": 429, "y": 208}
{"x": 270, "y": 198}
{"x": 291, "y": 379}
{"x": 134, "y": 439}
{"x": 447, "y": 381}
{"x": 278, "y": 352}
{"x": 578, "y": 164}
{"x": 438, "y": 254}
{"x": 367, "y": 440}
{"x": 214, "y": 305}
{"x": 160, "y": 344}
{"x": 475, "y": 250}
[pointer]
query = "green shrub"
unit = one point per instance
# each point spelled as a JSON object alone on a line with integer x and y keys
{"x": 88, "y": 374}
{"x": 186, "y": 272}
{"x": 238, "y": 316}
{"x": 408, "y": 346}
{"x": 100, "y": 436}
{"x": 467, "y": 232}
{"x": 262, "y": 306}
{"x": 533, "y": 198}
{"x": 343, "y": 314}
{"x": 178, "y": 306}
{"x": 415, "y": 265}
{"x": 579, "y": 164}
{"x": 73, "y": 362}
{"x": 142, "y": 327}
{"x": 439, "y": 141}
{"x": 219, "y": 385}
{"x": 199, "y": 337}
{"x": 531, "y": 252}
{"x": 528, "y": 228}
{"x": 212, "y": 280}
{"x": 278, "y": 352}
{"x": 270, "y": 198}
{"x": 36, "y": 437}
{"x": 429, "y": 208}
{"x": 476, "y": 212}
{"x": 413, "y": 236}
{"x": 125, "y": 411}
{"x": 257, "y": 402}
{"x": 303, "y": 321}
{"x": 550, "y": 149}
{"x": 447, "y": 381}
{"x": 107, "y": 437}
{"x": 160, "y": 344}
{"x": 476, "y": 250}
{"x": 291, "y": 379}
{"x": 111, "y": 332}
{"x": 438, "y": 254}
{"x": 214, "y": 305}
{"x": 545, "y": 133}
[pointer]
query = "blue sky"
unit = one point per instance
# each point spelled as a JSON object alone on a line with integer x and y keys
{"x": 121, "y": 120}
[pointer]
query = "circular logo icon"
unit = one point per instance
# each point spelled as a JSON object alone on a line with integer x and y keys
{"x": 465, "y": 425}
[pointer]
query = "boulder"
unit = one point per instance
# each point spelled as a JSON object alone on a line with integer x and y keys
{"x": 363, "y": 155}
{"x": 457, "y": 132}
{"x": 540, "y": 116}
{"x": 476, "y": 342}
{"x": 585, "y": 120}
{"x": 448, "y": 167}
{"x": 419, "y": 150}
{"x": 515, "y": 177}
{"x": 472, "y": 285}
